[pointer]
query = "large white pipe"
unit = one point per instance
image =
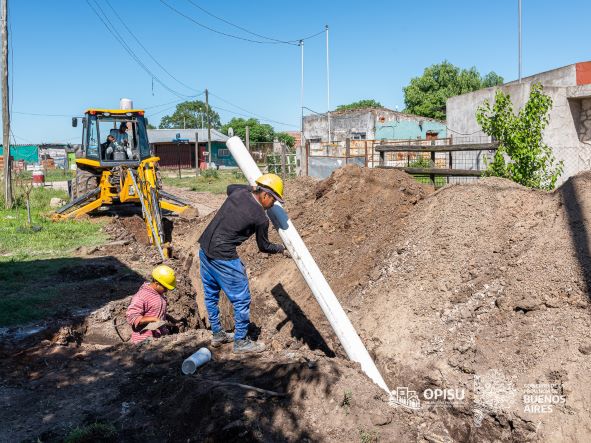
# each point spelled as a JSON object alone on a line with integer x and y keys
{"x": 314, "y": 278}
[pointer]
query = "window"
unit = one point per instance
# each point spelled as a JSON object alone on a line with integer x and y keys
{"x": 223, "y": 153}
{"x": 358, "y": 135}
{"x": 92, "y": 145}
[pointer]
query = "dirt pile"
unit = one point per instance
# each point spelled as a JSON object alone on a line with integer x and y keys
{"x": 491, "y": 282}
{"x": 474, "y": 285}
{"x": 347, "y": 222}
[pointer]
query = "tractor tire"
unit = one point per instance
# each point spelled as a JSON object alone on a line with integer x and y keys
{"x": 84, "y": 182}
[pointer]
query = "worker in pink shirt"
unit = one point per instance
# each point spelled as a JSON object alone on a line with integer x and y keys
{"x": 147, "y": 311}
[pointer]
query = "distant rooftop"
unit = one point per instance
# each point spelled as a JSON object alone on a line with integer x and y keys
{"x": 168, "y": 135}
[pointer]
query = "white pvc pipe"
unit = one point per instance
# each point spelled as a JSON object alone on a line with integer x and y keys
{"x": 314, "y": 278}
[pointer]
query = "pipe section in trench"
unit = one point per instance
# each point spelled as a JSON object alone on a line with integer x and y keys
{"x": 323, "y": 293}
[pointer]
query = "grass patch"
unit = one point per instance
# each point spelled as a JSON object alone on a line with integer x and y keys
{"x": 16, "y": 309}
{"x": 51, "y": 175}
{"x": 214, "y": 181}
{"x": 54, "y": 239}
{"x": 28, "y": 256}
{"x": 93, "y": 433}
{"x": 425, "y": 179}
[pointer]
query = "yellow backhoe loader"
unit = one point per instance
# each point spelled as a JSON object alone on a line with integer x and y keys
{"x": 117, "y": 166}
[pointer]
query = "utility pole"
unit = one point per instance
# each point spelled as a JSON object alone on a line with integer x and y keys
{"x": 5, "y": 110}
{"x": 196, "y": 153}
{"x": 302, "y": 95}
{"x": 247, "y": 141}
{"x": 327, "y": 86}
{"x": 519, "y": 26}
{"x": 208, "y": 128}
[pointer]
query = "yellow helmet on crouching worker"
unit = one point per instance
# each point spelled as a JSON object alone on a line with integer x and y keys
{"x": 273, "y": 184}
{"x": 165, "y": 276}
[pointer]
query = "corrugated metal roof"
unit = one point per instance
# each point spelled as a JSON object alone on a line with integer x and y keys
{"x": 168, "y": 135}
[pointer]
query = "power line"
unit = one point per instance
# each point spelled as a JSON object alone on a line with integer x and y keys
{"x": 41, "y": 115}
{"x": 220, "y": 32}
{"x": 251, "y": 115}
{"x": 144, "y": 48}
{"x": 249, "y": 112}
{"x": 174, "y": 101}
{"x": 271, "y": 40}
{"x": 161, "y": 111}
{"x": 121, "y": 41}
{"x": 288, "y": 42}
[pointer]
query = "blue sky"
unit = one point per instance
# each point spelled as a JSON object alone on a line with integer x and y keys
{"x": 64, "y": 59}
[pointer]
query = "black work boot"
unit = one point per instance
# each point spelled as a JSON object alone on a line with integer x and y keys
{"x": 219, "y": 338}
{"x": 247, "y": 346}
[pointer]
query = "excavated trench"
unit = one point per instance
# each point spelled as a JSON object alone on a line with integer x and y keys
{"x": 480, "y": 288}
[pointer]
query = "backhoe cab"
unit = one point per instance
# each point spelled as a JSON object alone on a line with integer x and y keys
{"x": 114, "y": 137}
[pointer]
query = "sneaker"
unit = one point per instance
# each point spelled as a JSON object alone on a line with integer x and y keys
{"x": 219, "y": 338}
{"x": 247, "y": 346}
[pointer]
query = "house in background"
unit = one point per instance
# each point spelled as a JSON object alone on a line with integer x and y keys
{"x": 371, "y": 124}
{"x": 183, "y": 153}
{"x": 569, "y": 129}
{"x": 354, "y": 135}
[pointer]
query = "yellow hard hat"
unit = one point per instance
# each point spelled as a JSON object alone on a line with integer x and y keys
{"x": 165, "y": 276}
{"x": 273, "y": 184}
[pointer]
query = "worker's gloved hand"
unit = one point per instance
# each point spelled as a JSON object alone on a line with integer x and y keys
{"x": 285, "y": 252}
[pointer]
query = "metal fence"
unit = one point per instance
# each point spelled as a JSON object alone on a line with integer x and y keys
{"x": 323, "y": 158}
{"x": 437, "y": 161}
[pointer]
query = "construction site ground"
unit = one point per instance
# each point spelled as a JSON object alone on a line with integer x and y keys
{"x": 482, "y": 289}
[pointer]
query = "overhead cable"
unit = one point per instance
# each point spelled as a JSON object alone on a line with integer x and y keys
{"x": 250, "y": 116}
{"x": 268, "y": 41}
{"x": 146, "y": 51}
{"x": 121, "y": 41}
{"x": 249, "y": 112}
{"x": 241, "y": 28}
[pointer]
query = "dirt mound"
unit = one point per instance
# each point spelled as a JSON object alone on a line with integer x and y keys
{"x": 488, "y": 281}
{"x": 491, "y": 281}
{"x": 347, "y": 222}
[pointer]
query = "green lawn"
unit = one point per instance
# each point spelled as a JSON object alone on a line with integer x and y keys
{"x": 53, "y": 239}
{"x": 209, "y": 181}
{"x": 28, "y": 256}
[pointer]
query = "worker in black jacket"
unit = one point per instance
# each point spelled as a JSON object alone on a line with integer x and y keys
{"x": 241, "y": 215}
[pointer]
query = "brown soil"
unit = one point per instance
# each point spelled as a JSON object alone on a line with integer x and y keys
{"x": 488, "y": 280}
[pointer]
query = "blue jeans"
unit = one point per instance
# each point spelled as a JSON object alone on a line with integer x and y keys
{"x": 229, "y": 276}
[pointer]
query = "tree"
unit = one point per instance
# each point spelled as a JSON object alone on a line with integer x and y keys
{"x": 286, "y": 139}
{"x": 189, "y": 115}
{"x": 150, "y": 126}
{"x": 426, "y": 95}
{"x": 259, "y": 132}
{"x": 522, "y": 155}
{"x": 361, "y": 104}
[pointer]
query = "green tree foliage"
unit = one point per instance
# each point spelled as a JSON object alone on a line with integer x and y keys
{"x": 286, "y": 139}
{"x": 188, "y": 115}
{"x": 426, "y": 95}
{"x": 361, "y": 104}
{"x": 492, "y": 79}
{"x": 522, "y": 155}
{"x": 259, "y": 132}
